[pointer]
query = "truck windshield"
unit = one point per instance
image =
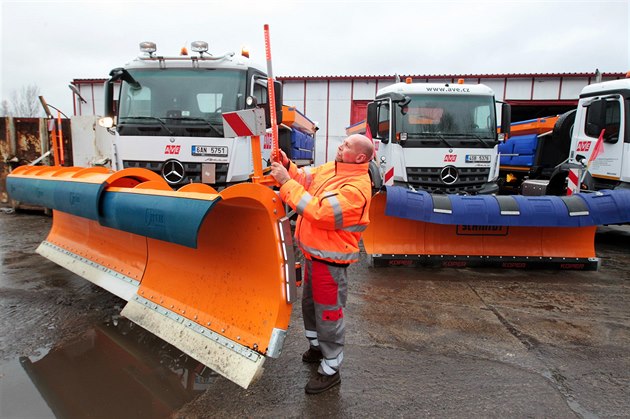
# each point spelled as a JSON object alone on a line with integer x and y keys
{"x": 183, "y": 102}
{"x": 452, "y": 120}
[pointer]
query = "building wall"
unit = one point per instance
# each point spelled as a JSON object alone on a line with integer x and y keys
{"x": 329, "y": 102}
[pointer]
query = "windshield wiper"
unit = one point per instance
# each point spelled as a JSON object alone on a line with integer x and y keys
{"x": 149, "y": 118}
{"x": 191, "y": 118}
{"x": 431, "y": 135}
{"x": 466, "y": 135}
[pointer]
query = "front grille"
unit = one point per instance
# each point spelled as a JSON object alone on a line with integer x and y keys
{"x": 470, "y": 180}
{"x": 192, "y": 171}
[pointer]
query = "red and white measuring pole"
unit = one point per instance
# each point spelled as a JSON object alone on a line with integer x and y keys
{"x": 271, "y": 91}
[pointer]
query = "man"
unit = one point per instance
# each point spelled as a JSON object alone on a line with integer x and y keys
{"x": 333, "y": 202}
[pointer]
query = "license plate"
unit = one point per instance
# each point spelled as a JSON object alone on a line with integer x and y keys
{"x": 477, "y": 158}
{"x": 207, "y": 150}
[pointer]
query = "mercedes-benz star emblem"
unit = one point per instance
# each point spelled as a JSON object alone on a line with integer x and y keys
{"x": 173, "y": 171}
{"x": 449, "y": 175}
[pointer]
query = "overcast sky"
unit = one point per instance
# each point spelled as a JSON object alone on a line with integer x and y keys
{"x": 50, "y": 43}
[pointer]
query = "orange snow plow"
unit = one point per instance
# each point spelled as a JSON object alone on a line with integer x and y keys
{"x": 417, "y": 228}
{"x": 211, "y": 273}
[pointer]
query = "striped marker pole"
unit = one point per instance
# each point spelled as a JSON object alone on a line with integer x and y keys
{"x": 573, "y": 181}
{"x": 272, "y": 98}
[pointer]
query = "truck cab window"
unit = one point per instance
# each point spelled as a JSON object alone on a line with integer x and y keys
{"x": 466, "y": 119}
{"x": 612, "y": 122}
{"x": 176, "y": 101}
{"x": 137, "y": 101}
{"x": 260, "y": 93}
{"x": 210, "y": 102}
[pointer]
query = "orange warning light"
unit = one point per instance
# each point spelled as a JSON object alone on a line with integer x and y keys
{"x": 460, "y": 81}
{"x": 408, "y": 80}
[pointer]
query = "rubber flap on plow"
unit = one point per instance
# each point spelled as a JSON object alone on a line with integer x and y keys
{"x": 409, "y": 227}
{"x": 210, "y": 273}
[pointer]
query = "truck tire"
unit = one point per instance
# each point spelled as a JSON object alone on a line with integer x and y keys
{"x": 375, "y": 177}
{"x": 555, "y": 148}
{"x": 558, "y": 184}
{"x": 563, "y": 128}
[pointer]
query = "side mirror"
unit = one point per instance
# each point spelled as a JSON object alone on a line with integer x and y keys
{"x": 405, "y": 102}
{"x": 109, "y": 98}
{"x": 506, "y": 118}
{"x": 115, "y": 75}
{"x": 277, "y": 87}
{"x": 372, "y": 118}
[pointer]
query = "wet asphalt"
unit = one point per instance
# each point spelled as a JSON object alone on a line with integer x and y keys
{"x": 431, "y": 342}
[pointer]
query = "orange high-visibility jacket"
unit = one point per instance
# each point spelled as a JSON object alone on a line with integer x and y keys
{"x": 333, "y": 203}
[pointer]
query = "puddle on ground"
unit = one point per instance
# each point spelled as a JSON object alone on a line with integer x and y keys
{"x": 116, "y": 370}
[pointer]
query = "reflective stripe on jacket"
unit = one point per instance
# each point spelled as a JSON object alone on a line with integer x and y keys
{"x": 333, "y": 203}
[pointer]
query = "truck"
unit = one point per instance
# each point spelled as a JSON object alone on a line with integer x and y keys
{"x": 591, "y": 141}
{"x": 165, "y": 114}
{"x": 437, "y": 137}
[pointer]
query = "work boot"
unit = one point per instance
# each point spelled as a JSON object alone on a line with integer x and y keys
{"x": 321, "y": 383}
{"x": 312, "y": 356}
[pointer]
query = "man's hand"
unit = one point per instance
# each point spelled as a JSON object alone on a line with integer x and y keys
{"x": 279, "y": 172}
{"x": 283, "y": 159}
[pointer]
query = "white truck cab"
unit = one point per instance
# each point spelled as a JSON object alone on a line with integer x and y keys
{"x": 603, "y": 107}
{"x": 168, "y": 115}
{"x": 437, "y": 137}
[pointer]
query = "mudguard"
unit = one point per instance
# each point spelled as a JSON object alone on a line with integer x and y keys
{"x": 211, "y": 273}
{"x": 415, "y": 227}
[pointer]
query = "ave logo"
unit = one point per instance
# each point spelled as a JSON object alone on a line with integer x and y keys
{"x": 172, "y": 149}
{"x": 450, "y": 158}
{"x": 583, "y": 146}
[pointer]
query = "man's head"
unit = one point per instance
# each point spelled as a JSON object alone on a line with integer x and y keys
{"x": 356, "y": 149}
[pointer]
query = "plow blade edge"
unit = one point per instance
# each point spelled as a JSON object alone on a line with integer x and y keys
{"x": 210, "y": 273}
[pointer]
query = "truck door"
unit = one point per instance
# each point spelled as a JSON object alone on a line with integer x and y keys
{"x": 381, "y": 125}
{"x": 608, "y": 165}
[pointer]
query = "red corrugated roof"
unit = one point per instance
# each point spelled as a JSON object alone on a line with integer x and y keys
{"x": 424, "y": 76}
{"x": 455, "y": 76}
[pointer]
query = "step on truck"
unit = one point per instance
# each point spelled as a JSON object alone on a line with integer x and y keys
{"x": 165, "y": 115}
{"x": 437, "y": 137}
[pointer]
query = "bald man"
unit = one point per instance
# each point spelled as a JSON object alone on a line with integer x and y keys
{"x": 333, "y": 203}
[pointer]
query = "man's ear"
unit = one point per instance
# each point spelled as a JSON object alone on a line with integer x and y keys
{"x": 361, "y": 158}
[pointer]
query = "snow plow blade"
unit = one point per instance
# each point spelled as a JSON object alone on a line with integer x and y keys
{"x": 210, "y": 273}
{"x": 417, "y": 228}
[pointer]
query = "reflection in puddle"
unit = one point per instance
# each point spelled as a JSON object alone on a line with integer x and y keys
{"x": 116, "y": 370}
